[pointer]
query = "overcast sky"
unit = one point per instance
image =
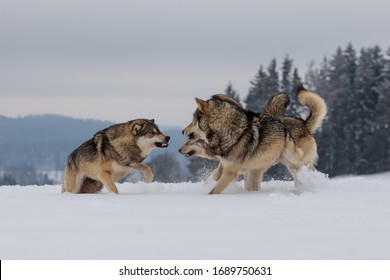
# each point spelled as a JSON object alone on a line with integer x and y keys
{"x": 119, "y": 60}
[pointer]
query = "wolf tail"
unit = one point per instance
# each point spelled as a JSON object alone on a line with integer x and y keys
{"x": 277, "y": 105}
{"x": 316, "y": 105}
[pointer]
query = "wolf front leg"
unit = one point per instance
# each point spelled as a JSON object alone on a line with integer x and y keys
{"x": 72, "y": 180}
{"x": 228, "y": 175}
{"x": 72, "y": 183}
{"x": 105, "y": 177}
{"x": 253, "y": 179}
{"x": 217, "y": 173}
{"x": 148, "y": 173}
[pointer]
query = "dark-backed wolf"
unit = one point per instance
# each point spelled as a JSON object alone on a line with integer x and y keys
{"x": 243, "y": 140}
{"x": 275, "y": 107}
{"x": 110, "y": 154}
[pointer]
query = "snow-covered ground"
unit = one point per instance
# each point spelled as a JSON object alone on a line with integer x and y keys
{"x": 340, "y": 218}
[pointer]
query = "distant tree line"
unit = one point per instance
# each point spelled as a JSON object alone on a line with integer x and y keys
{"x": 25, "y": 175}
{"x": 356, "y": 85}
{"x": 33, "y": 147}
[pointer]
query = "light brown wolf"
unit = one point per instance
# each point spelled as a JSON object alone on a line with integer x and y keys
{"x": 110, "y": 154}
{"x": 245, "y": 141}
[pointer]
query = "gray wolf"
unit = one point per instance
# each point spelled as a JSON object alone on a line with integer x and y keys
{"x": 275, "y": 107}
{"x": 245, "y": 141}
{"x": 110, "y": 154}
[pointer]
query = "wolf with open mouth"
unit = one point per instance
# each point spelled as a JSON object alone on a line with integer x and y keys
{"x": 110, "y": 154}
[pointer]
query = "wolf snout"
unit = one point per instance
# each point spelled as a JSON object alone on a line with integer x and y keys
{"x": 166, "y": 141}
{"x": 163, "y": 143}
{"x": 185, "y": 134}
{"x": 185, "y": 153}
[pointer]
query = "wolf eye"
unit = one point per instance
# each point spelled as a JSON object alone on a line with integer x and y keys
{"x": 197, "y": 115}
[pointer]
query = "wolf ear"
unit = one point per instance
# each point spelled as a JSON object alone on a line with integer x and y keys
{"x": 202, "y": 105}
{"x": 136, "y": 128}
{"x": 152, "y": 120}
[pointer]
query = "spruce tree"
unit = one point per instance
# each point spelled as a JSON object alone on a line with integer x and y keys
{"x": 264, "y": 86}
{"x": 311, "y": 76}
{"x": 285, "y": 82}
{"x": 337, "y": 96}
{"x": 370, "y": 72}
{"x": 383, "y": 126}
{"x": 231, "y": 92}
{"x": 350, "y": 104}
{"x": 272, "y": 81}
{"x": 323, "y": 77}
{"x": 288, "y": 84}
{"x": 295, "y": 109}
{"x": 256, "y": 91}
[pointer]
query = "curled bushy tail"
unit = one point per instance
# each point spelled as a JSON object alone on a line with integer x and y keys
{"x": 276, "y": 106}
{"x": 316, "y": 105}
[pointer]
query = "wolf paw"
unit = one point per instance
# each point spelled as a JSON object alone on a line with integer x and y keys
{"x": 148, "y": 179}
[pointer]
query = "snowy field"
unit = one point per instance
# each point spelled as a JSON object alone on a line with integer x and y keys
{"x": 340, "y": 218}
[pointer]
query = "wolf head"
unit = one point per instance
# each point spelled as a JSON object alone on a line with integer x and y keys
{"x": 219, "y": 114}
{"x": 196, "y": 148}
{"x": 200, "y": 116}
{"x": 147, "y": 135}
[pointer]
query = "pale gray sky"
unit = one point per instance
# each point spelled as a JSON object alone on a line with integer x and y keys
{"x": 122, "y": 59}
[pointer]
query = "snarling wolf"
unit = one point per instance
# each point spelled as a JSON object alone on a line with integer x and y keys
{"x": 110, "y": 154}
{"x": 245, "y": 141}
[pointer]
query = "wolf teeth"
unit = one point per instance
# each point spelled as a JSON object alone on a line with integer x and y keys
{"x": 161, "y": 144}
